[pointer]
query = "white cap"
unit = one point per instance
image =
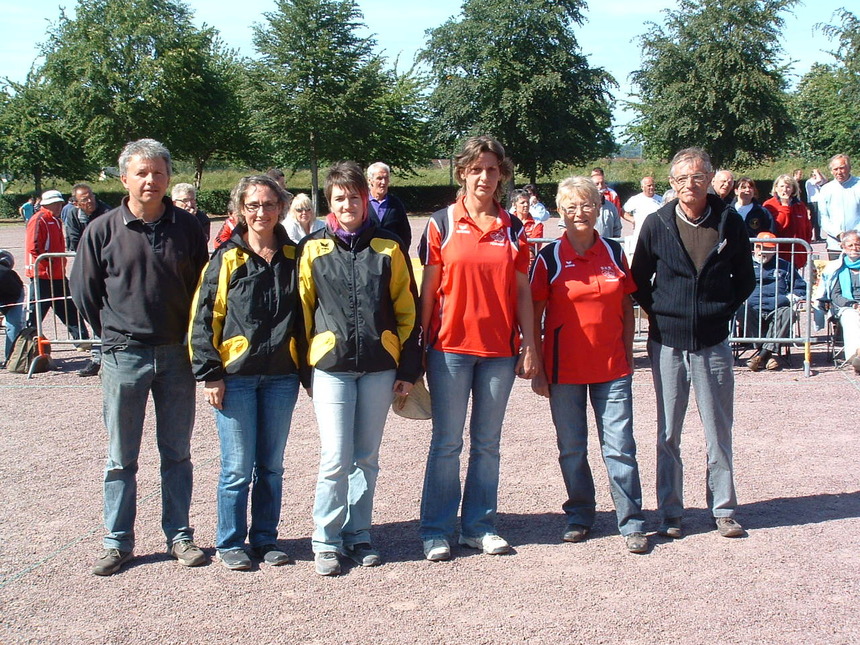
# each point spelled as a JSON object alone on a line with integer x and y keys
{"x": 52, "y": 197}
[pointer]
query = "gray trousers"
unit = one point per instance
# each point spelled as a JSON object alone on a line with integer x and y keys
{"x": 710, "y": 372}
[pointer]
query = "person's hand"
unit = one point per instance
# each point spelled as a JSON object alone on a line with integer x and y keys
{"x": 402, "y": 388}
{"x": 214, "y": 393}
{"x": 539, "y": 384}
{"x": 527, "y": 365}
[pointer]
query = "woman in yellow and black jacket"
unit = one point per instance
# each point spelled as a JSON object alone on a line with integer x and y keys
{"x": 242, "y": 341}
{"x": 363, "y": 344}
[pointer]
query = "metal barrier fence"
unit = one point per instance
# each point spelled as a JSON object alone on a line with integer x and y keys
{"x": 53, "y": 293}
{"x": 799, "y": 316}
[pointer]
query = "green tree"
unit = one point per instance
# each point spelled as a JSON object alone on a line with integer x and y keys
{"x": 36, "y": 141}
{"x": 711, "y": 76}
{"x": 514, "y": 70}
{"x": 320, "y": 94}
{"x": 126, "y": 70}
{"x": 824, "y": 106}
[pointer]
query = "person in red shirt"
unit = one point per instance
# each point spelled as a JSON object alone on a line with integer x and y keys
{"x": 599, "y": 179}
{"x": 475, "y": 306}
{"x": 519, "y": 205}
{"x": 581, "y": 288}
{"x": 791, "y": 218}
{"x": 44, "y": 234}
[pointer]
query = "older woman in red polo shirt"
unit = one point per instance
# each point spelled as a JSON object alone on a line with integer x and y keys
{"x": 581, "y": 288}
{"x": 476, "y": 314}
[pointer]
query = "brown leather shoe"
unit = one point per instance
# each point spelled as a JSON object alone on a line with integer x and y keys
{"x": 755, "y": 363}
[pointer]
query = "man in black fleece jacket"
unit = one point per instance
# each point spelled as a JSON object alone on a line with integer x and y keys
{"x": 693, "y": 269}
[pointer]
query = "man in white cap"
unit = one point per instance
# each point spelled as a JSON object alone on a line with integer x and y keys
{"x": 45, "y": 235}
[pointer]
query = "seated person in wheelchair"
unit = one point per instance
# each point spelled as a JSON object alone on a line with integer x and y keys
{"x": 842, "y": 278}
{"x": 767, "y": 313}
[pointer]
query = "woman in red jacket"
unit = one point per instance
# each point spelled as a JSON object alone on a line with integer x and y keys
{"x": 791, "y": 218}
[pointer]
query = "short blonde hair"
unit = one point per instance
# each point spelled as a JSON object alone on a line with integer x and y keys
{"x": 788, "y": 179}
{"x": 301, "y": 200}
{"x": 577, "y": 187}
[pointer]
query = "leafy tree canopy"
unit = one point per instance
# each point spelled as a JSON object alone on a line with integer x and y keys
{"x": 825, "y": 103}
{"x": 712, "y": 76}
{"x": 320, "y": 94}
{"x": 127, "y": 70}
{"x": 514, "y": 70}
{"x": 36, "y": 140}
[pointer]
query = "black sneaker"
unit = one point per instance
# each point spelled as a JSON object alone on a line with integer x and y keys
{"x": 271, "y": 554}
{"x": 188, "y": 553}
{"x": 110, "y": 562}
{"x": 235, "y": 559}
{"x": 364, "y": 554}
{"x": 90, "y": 369}
{"x": 326, "y": 563}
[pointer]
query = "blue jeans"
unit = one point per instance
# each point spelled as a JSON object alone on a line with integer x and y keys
{"x": 129, "y": 374}
{"x": 451, "y": 378}
{"x": 253, "y": 425}
{"x": 351, "y": 408}
{"x": 13, "y": 317}
{"x": 613, "y": 412}
{"x": 710, "y": 372}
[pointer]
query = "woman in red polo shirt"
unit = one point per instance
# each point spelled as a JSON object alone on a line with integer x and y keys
{"x": 791, "y": 218}
{"x": 582, "y": 285}
{"x": 475, "y": 306}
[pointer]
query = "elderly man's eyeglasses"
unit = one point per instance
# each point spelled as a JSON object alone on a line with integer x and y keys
{"x": 570, "y": 209}
{"x": 269, "y": 207}
{"x": 696, "y": 179}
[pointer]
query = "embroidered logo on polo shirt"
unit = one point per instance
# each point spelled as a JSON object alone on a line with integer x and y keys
{"x": 462, "y": 227}
{"x": 497, "y": 237}
{"x": 569, "y": 264}
{"x": 609, "y": 273}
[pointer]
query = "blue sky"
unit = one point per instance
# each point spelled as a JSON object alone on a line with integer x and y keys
{"x": 608, "y": 38}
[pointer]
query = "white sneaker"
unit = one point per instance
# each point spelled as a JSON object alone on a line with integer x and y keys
{"x": 437, "y": 549}
{"x": 489, "y": 544}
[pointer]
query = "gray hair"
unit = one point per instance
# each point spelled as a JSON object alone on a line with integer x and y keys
{"x": 373, "y": 168}
{"x": 692, "y": 154}
{"x": 145, "y": 149}
{"x": 516, "y": 194}
{"x": 839, "y": 156}
{"x": 853, "y": 233}
{"x": 183, "y": 189}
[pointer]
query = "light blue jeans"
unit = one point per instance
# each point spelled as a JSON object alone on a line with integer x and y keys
{"x": 351, "y": 408}
{"x": 710, "y": 372}
{"x": 128, "y": 376}
{"x": 253, "y": 425}
{"x": 13, "y": 319}
{"x": 612, "y": 402}
{"x": 451, "y": 378}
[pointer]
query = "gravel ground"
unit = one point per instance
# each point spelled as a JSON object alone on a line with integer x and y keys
{"x": 793, "y": 579}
